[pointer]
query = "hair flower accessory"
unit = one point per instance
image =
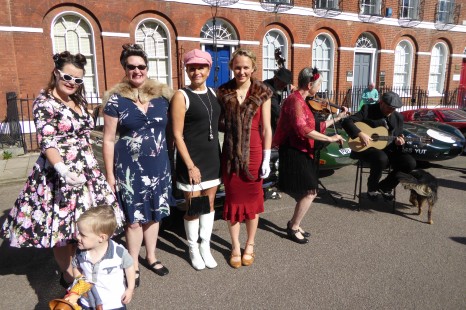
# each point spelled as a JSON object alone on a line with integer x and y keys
{"x": 315, "y": 74}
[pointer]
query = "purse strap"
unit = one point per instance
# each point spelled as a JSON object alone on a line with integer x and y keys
{"x": 192, "y": 188}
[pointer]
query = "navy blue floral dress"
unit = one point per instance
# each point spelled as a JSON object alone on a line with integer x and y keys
{"x": 141, "y": 163}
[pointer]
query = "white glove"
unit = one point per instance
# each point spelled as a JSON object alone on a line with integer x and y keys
{"x": 71, "y": 178}
{"x": 265, "y": 168}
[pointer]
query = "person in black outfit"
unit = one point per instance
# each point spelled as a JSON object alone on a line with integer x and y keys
{"x": 277, "y": 84}
{"x": 375, "y": 115}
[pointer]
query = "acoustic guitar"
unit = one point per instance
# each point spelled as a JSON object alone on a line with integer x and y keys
{"x": 380, "y": 138}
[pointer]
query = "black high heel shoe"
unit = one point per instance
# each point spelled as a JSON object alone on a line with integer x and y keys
{"x": 304, "y": 233}
{"x": 292, "y": 235}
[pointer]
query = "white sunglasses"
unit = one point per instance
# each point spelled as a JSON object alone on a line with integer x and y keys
{"x": 67, "y": 77}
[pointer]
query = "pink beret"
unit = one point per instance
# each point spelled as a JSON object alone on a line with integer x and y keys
{"x": 197, "y": 57}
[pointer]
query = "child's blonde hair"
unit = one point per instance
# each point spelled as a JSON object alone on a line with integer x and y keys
{"x": 100, "y": 219}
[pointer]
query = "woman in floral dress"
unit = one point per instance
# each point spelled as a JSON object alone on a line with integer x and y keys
{"x": 138, "y": 166}
{"x": 66, "y": 179}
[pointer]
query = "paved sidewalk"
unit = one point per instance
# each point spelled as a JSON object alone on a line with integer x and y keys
{"x": 17, "y": 169}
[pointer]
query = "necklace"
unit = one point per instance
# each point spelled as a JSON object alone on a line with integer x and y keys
{"x": 209, "y": 113}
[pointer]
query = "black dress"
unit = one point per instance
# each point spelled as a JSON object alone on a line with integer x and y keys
{"x": 202, "y": 112}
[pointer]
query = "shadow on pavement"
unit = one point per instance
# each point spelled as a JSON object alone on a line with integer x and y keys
{"x": 37, "y": 265}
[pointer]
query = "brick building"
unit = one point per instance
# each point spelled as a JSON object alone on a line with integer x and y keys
{"x": 403, "y": 43}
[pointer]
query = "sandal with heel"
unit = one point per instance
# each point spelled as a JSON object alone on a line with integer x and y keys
{"x": 235, "y": 263}
{"x": 292, "y": 235}
{"x": 248, "y": 261}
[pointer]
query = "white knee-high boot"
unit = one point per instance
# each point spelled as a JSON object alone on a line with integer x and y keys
{"x": 207, "y": 223}
{"x": 192, "y": 234}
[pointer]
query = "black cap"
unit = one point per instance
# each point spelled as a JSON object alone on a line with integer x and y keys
{"x": 392, "y": 99}
{"x": 284, "y": 75}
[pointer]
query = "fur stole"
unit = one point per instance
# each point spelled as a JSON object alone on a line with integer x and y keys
{"x": 150, "y": 90}
{"x": 237, "y": 121}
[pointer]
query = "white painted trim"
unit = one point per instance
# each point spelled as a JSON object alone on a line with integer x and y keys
{"x": 308, "y": 11}
{"x": 349, "y": 49}
{"x": 249, "y": 42}
{"x": 299, "y": 45}
{"x": 386, "y": 51}
{"x": 189, "y": 39}
{"x": 21, "y": 29}
{"x": 220, "y": 42}
{"x": 458, "y": 55}
{"x": 424, "y": 53}
{"x": 115, "y": 34}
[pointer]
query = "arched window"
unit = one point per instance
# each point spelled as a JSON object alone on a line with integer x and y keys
{"x": 403, "y": 65}
{"x": 322, "y": 59}
{"x": 152, "y": 35}
{"x": 71, "y": 32}
{"x": 437, "y": 70}
{"x": 272, "y": 40}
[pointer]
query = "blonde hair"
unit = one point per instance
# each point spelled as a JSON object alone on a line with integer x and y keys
{"x": 243, "y": 52}
{"x": 100, "y": 219}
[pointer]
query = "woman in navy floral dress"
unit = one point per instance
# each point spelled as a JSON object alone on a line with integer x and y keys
{"x": 66, "y": 179}
{"x": 138, "y": 166}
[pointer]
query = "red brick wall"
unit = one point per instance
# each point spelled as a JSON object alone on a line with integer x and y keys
{"x": 28, "y": 55}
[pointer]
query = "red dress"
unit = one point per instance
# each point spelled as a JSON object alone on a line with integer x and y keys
{"x": 244, "y": 198}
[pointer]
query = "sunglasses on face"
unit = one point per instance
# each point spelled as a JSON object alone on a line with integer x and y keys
{"x": 69, "y": 78}
{"x": 133, "y": 67}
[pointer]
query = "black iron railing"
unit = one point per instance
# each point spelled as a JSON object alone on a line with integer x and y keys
{"x": 19, "y": 126}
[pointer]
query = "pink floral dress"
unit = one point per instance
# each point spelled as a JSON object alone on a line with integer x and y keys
{"x": 47, "y": 208}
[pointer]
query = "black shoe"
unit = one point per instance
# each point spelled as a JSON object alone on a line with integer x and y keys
{"x": 162, "y": 271}
{"x": 372, "y": 196}
{"x": 304, "y": 233}
{"x": 292, "y": 235}
{"x": 137, "y": 280}
{"x": 386, "y": 195}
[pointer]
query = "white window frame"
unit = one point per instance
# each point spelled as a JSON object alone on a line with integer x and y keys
{"x": 91, "y": 58}
{"x": 445, "y": 11}
{"x": 403, "y": 68}
{"x": 327, "y": 72}
{"x": 156, "y": 58}
{"x": 412, "y": 9}
{"x": 437, "y": 69}
{"x": 268, "y": 51}
{"x": 371, "y": 7}
{"x": 327, "y": 4}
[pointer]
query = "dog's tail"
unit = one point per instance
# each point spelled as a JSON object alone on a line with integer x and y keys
{"x": 420, "y": 186}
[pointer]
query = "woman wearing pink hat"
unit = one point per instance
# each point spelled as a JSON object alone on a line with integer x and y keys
{"x": 195, "y": 113}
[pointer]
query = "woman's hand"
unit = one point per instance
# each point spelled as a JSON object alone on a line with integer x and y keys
{"x": 194, "y": 175}
{"x": 111, "y": 181}
{"x": 337, "y": 138}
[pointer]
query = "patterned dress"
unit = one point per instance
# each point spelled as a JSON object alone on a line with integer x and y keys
{"x": 47, "y": 208}
{"x": 142, "y": 167}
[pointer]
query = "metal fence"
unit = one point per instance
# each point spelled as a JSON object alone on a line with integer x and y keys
{"x": 19, "y": 128}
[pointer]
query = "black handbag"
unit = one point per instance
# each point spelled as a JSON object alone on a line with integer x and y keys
{"x": 198, "y": 205}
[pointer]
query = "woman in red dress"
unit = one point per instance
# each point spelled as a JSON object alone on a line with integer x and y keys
{"x": 245, "y": 119}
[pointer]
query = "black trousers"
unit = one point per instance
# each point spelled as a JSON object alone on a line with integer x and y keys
{"x": 378, "y": 161}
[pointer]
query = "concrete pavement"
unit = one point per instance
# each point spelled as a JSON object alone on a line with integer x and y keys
{"x": 372, "y": 259}
{"x": 16, "y": 169}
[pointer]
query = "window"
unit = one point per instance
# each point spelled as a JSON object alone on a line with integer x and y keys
{"x": 74, "y": 34}
{"x": 402, "y": 72}
{"x": 322, "y": 58}
{"x": 152, "y": 36}
{"x": 371, "y": 7}
{"x": 445, "y": 11}
{"x": 409, "y": 9}
{"x": 437, "y": 69}
{"x": 272, "y": 40}
{"x": 327, "y": 4}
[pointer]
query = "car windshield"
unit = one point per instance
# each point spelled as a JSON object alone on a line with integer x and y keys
{"x": 454, "y": 115}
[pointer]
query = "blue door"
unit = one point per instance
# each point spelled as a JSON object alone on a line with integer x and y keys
{"x": 220, "y": 73}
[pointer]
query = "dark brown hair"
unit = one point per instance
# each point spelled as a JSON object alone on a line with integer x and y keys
{"x": 132, "y": 50}
{"x": 62, "y": 59}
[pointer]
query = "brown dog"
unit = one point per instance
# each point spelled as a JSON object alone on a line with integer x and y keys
{"x": 423, "y": 186}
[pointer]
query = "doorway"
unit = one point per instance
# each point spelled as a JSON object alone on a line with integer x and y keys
{"x": 220, "y": 73}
